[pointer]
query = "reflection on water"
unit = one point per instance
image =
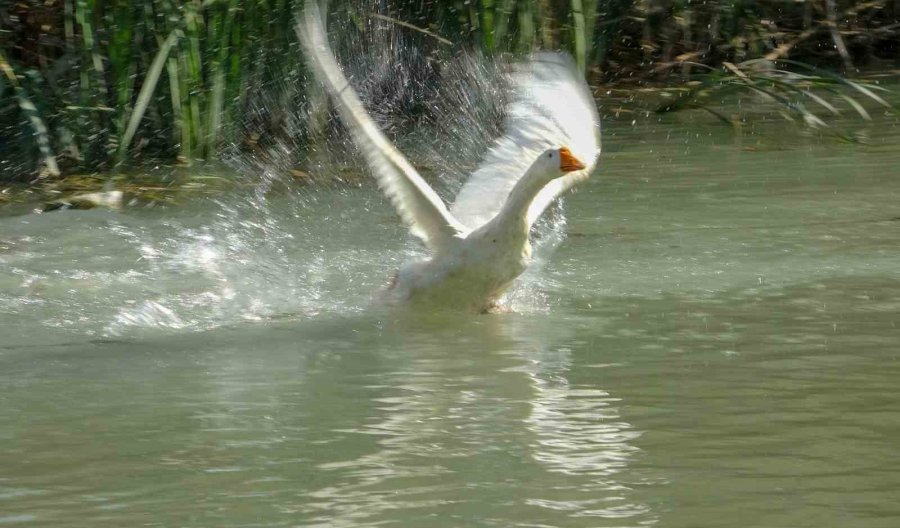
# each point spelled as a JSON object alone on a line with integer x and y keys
{"x": 454, "y": 428}
{"x": 571, "y": 423}
{"x": 579, "y": 432}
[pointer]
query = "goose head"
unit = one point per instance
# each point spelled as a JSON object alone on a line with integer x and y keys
{"x": 550, "y": 165}
{"x": 554, "y": 163}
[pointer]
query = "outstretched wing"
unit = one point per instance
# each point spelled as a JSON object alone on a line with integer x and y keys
{"x": 552, "y": 107}
{"x": 419, "y": 206}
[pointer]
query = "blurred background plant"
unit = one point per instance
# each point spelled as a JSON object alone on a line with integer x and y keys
{"x": 89, "y": 85}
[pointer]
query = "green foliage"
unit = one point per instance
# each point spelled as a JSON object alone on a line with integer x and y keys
{"x": 98, "y": 84}
{"x": 124, "y": 79}
{"x": 41, "y": 136}
{"x": 788, "y": 92}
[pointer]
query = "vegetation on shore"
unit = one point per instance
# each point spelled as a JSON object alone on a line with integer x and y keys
{"x": 87, "y": 85}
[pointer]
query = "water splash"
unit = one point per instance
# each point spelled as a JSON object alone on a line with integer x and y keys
{"x": 309, "y": 234}
{"x": 442, "y": 110}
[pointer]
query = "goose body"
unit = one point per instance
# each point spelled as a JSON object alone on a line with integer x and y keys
{"x": 481, "y": 244}
{"x": 471, "y": 278}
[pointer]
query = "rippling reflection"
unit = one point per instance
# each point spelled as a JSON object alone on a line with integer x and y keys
{"x": 579, "y": 432}
{"x": 454, "y": 419}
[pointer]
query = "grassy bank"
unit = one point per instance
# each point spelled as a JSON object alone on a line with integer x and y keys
{"x": 90, "y": 86}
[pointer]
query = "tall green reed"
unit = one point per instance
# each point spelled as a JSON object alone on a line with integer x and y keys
{"x": 170, "y": 79}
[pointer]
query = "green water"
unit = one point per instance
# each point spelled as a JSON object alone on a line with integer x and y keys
{"x": 715, "y": 343}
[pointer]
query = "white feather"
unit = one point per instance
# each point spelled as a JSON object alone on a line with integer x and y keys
{"x": 551, "y": 107}
{"x": 417, "y": 203}
{"x": 477, "y": 256}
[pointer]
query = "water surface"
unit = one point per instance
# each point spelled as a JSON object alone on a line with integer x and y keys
{"x": 715, "y": 343}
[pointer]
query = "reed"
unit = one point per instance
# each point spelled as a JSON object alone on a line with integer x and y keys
{"x": 147, "y": 89}
{"x": 104, "y": 83}
{"x": 786, "y": 91}
{"x": 579, "y": 35}
{"x": 41, "y": 136}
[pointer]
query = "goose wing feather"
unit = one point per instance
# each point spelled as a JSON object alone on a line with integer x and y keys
{"x": 551, "y": 107}
{"x": 416, "y": 202}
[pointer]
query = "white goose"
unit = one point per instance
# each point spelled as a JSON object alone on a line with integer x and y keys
{"x": 481, "y": 244}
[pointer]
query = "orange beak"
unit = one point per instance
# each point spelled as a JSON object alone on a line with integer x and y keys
{"x": 568, "y": 162}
